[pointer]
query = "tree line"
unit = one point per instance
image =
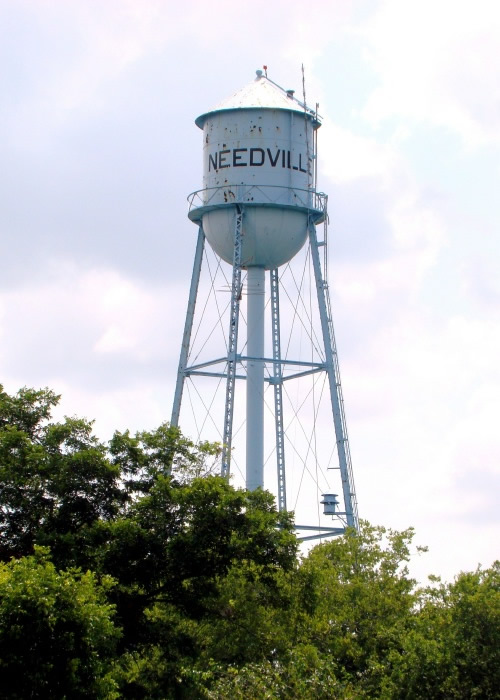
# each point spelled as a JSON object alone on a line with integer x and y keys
{"x": 129, "y": 570}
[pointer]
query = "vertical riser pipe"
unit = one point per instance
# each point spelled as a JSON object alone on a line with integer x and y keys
{"x": 255, "y": 378}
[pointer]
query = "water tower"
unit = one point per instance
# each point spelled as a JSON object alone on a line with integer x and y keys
{"x": 258, "y": 208}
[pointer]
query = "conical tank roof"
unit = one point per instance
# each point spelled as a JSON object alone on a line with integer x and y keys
{"x": 261, "y": 93}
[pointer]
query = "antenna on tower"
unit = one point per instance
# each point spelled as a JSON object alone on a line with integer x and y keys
{"x": 310, "y": 170}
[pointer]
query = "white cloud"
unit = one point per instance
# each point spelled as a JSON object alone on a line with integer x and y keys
{"x": 346, "y": 156}
{"x": 141, "y": 405}
{"x": 423, "y": 404}
{"x": 438, "y": 61}
{"x": 76, "y": 316}
{"x": 414, "y": 230}
{"x": 108, "y": 344}
{"x": 93, "y": 48}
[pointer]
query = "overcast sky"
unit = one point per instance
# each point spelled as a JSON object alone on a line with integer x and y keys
{"x": 99, "y": 151}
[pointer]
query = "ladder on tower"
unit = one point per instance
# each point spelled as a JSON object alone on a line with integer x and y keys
{"x": 333, "y": 371}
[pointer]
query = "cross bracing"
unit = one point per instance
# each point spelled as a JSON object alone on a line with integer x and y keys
{"x": 306, "y": 446}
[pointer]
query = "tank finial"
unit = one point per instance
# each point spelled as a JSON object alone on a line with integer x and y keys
{"x": 259, "y": 74}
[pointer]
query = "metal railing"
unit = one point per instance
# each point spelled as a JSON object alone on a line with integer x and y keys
{"x": 258, "y": 195}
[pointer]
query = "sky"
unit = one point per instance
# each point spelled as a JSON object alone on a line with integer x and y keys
{"x": 99, "y": 151}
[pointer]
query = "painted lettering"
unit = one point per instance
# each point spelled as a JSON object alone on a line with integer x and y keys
{"x": 273, "y": 162}
{"x": 237, "y": 157}
{"x": 257, "y": 157}
{"x": 222, "y": 159}
{"x": 257, "y": 151}
{"x": 212, "y": 162}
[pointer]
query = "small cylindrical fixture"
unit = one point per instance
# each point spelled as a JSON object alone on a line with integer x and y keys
{"x": 330, "y": 503}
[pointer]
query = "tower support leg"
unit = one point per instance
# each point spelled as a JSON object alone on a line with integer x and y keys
{"x": 332, "y": 369}
{"x": 232, "y": 346}
{"x": 255, "y": 378}
{"x": 188, "y": 327}
{"x": 278, "y": 388}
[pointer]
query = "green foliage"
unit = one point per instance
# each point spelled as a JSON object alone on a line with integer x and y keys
{"x": 453, "y": 649}
{"x": 26, "y": 411}
{"x": 146, "y": 456}
{"x": 137, "y": 510}
{"x": 163, "y": 581}
{"x": 302, "y": 673}
{"x": 178, "y": 541}
{"x": 358, "y": 602}
{"x": 56, "y": 478}
{"x": 57, "y": 637}
{"x": 249, "y": 620}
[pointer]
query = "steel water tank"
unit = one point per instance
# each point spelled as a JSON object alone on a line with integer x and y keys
{"x": 257, "y": 153}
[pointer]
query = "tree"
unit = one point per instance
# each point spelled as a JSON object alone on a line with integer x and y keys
{"x": 56, "y": 479}
{"x": 57, "y": 637}
{"x": 139, "y": 511}
{"x": 302, "y": 673}
{"x": 453, "y": 649}
{"x": 177, "y": 542}
{"x": 164, "y": 581}
{"x": 358, "y": 601}
{"x": 325, "y": 629}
